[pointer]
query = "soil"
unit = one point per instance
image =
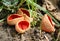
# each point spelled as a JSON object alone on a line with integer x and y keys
{"x": 8, "y": 33}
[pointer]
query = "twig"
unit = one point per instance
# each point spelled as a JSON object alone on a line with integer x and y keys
{"x": 58, "y": 36}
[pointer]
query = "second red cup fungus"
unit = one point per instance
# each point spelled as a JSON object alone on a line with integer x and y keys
{"x": 22, "y": 26}
{"x": 22, "y": 11}
{"x": 25, "y": 13}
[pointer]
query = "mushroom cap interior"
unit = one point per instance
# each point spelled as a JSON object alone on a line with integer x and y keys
{"x": 25, "y": 12}
{"x": 23, "y": 25}
{"x": 14, "y": 16}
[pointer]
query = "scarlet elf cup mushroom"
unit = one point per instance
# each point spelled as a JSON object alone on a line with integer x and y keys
{"x": 47, "y": 24}
{"x": 22, "y": 26}
{"x": 25, "y": 13}
{"x": 14, "y": 18}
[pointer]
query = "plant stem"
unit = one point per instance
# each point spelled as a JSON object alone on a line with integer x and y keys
{"x": 22, "y": 1}
{"x": 2, "y": 20}
{"x": 43, "y": 9}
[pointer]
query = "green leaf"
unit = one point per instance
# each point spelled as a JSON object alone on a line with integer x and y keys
{"x": 10, "y": 3}
{"x": 1, "y": 7}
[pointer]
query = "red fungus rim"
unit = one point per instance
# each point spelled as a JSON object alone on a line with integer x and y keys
{"x": 23, "y": 25}
{"x": 50, "y": 20}
{"x": 25, "y": 12}
{"x": 13, "y": 16}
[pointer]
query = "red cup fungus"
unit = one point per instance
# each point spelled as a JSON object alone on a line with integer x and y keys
{"x": 47, "y": 24}
{"x": 25, "y": 13}
{"x": 14, "y": 18}
{"x": 22, "y": 26}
